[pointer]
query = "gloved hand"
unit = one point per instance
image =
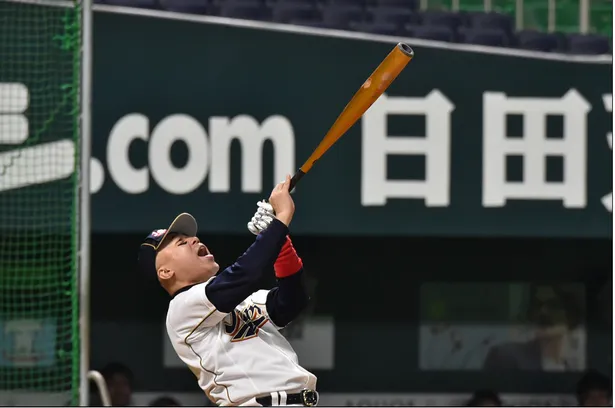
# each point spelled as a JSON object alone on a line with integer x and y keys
{"x": 263, "y": 216}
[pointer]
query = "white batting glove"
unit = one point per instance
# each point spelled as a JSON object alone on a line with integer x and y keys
{"x": 262, "y": 217}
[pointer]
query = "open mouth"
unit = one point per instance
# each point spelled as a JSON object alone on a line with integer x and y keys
{"x": 203, "y": 251}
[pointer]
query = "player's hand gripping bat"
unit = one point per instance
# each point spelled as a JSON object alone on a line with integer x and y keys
{"x": 371, "y": 90}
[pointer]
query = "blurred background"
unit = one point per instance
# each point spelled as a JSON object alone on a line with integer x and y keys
{"x": 458, "y": 239}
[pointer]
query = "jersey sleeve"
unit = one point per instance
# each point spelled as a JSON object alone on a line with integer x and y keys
{"x": 239, "y": 281}
{"x": 285, "y": 302}
{"x": 194, "y": 310}
{"x": 259, "y": 298}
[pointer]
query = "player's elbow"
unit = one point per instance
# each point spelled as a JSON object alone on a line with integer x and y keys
{"x": 281, "y": 317}
{"x": 286, "y": 302}
{"x": 298, "y": 305}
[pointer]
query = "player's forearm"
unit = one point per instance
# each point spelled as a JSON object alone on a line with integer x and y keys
{"x": 286, "y": 301}
{"x": 241, "y": 279}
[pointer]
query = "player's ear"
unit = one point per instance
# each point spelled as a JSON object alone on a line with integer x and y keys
{"x": 164, "y": 274}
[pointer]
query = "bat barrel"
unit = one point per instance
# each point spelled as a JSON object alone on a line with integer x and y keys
{"x": 371, "y": 90}
{"x": 406, "y": 49}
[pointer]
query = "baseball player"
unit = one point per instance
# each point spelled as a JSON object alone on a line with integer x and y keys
{"x": 220, "y": 324}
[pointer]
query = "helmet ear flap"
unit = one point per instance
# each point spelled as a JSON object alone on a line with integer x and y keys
{"x": 147, "y": 260}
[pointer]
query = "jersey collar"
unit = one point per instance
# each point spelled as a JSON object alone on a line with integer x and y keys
{"x": 184, "y": 289}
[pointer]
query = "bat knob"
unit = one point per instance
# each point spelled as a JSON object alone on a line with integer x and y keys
{"x": 405, "y": 48}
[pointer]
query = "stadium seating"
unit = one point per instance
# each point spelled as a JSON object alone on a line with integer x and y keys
{"x": 189, "y": 6}
{"x": 437, "y": 33}
{"x": 341, "y": 16}
{"x": 537, "y": 41}
{"x": 377, "y": 28}
{"x": 588, "y": 44}
{"x": 298, "y": 13}
{"x": 393, "y": 15}
{"x": 442, "y": 19}
{"x": 491, "y": 20}
{"x": 358, "y": 3}
{"x": 393, "y": 3}
{"x": 403, "y": 18}
{"x": 485, "y": 36}
{"x": 253, "y": 11}
{"x": 150, "y": 4}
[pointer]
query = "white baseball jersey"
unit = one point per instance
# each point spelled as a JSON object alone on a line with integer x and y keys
{"x": 236, "y": 356}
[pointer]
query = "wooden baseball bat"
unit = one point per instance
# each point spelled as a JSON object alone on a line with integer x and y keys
{"x": 371, "y": 90}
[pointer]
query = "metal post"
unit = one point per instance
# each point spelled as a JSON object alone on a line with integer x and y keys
{"x": 551, "y": 17}
{"x": 455, "y": 5}
{"x": 102, "y": 387}
{"x": 84, "y": 213}
{"x": 519, "y": 15}
{"x": 487, "y": 5}
{"x": 584, "y": 16}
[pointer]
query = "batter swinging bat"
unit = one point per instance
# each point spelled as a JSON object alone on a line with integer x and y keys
{"x": 371, "y": 90}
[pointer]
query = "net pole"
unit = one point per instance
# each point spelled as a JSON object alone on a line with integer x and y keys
{"x": 85, "y": 219}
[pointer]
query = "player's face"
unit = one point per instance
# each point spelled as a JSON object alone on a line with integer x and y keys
{"x": 188, "y": 259}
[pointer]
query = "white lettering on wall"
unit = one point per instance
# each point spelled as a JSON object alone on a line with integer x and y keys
{"x": 206, "y": 154}
{"x": 434, "y": 145}
{"x": 534, "y": 147}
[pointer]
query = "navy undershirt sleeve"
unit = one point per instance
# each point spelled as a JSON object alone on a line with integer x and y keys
{"x": 234, "y": 284}
{"x": 286, "y": 301}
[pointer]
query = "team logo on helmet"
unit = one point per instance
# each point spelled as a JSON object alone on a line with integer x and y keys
{"x": 158, "y": 233}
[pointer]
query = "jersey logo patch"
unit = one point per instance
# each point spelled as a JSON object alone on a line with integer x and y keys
{"x": 245, "y": 325}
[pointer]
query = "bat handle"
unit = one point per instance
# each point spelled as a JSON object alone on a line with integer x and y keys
{"x": 295, "y": 179}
